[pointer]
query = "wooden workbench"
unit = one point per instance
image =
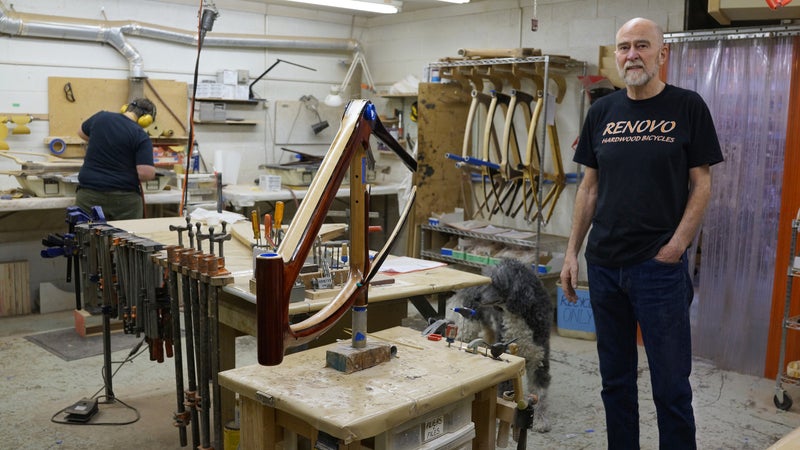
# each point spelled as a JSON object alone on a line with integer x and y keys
{"x": 237, "y": 305}
{"x": 303, "y": 396}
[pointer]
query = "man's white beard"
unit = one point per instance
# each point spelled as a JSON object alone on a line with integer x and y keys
{"x": 636, "y": 78}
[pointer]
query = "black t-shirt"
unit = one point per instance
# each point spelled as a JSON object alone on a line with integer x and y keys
{"x": 117, "y": 145}
{"x": 643, "y": 150}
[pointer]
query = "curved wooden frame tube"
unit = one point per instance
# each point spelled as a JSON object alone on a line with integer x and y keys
{"x": 489, "y": 137}
{"x": 559, "y": 178}
{"x": 507, "y": 174}
{"x": 530, "y": 165}
{"x": 514, "y": 173}
{"x": 478, "y": 98}
{"x": 276, "y": 273}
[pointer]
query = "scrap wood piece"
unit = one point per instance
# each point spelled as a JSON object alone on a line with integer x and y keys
{"x": 499, "y": 52}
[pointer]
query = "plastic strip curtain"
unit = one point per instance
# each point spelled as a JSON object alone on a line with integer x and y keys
{"x": 746, "y": 85}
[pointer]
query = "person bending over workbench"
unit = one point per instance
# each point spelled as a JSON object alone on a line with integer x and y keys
{"x": 119, "y": 155}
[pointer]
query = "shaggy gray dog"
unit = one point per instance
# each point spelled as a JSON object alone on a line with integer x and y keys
{"x": 514, "y": 306}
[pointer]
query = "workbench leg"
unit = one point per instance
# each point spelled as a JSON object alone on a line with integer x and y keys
{"x": 258, "y": 428}
{"x": 226, "y": 349}
{"x": 423, "y": 305}
{"x": 484, "y": 415}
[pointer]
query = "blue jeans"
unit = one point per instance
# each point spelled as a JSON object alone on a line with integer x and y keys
{"x": 657, "y": 296}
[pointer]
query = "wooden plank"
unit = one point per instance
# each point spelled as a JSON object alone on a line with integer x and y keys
{"x": 258, "y": 425}
{"x": 484, "y": 415}
{"x": 15, "y": 298}
{"x": 87, "y": 324}
{"x": 499, "y": 52}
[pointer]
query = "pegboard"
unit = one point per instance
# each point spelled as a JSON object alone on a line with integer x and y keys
{"x": 73, "y": 100}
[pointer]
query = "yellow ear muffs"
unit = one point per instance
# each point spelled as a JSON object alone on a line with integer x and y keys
{"x": 146, "y": 119}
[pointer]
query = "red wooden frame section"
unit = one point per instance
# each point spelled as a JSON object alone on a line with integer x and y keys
{"x": 276, "y": 273}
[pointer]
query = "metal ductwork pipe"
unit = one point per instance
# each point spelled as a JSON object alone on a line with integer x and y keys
{"x": 114, "y": 33}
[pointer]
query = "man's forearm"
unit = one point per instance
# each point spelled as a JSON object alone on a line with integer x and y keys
{"x": 146, "y": 173}
{"x": 699, "y": 197}
{"x": 585, "y": 202}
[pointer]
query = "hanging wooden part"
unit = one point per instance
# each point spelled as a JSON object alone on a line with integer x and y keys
{"x": 491, "y": 178}
{"x": 276, "y": 272}
{"x": 512, "y": 165}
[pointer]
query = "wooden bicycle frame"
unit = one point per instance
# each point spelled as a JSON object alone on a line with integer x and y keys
{"x": 276, "y": 272}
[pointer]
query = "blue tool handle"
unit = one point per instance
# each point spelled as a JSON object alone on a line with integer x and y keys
{"x": 480, "y": 162}
{"x": 53, "y": 252}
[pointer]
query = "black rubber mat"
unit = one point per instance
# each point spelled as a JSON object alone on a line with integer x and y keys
{"x": 68, "y": 345}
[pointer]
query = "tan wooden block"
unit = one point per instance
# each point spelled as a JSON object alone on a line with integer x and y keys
{"x": 348, "y": 359}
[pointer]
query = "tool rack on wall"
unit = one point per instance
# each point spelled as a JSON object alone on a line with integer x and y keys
{"x": 443, "y": 114}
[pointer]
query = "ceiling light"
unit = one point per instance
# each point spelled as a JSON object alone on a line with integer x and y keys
{"x": 381, "y": 7}
{"x": 455, "y": 1}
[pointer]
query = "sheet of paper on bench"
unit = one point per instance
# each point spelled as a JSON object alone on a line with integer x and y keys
{"x": 404, "y": 264}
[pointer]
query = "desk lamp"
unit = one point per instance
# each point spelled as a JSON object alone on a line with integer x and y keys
{"x": 335, "y": 97}
{"x": 311, "y": 104}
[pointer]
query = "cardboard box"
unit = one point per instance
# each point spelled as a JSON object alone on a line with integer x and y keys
{"x": 211, "y": 112}
{"x": 228, "y": 76}
{"x": 243, "y": 76}
{"x": 207, "y": 90}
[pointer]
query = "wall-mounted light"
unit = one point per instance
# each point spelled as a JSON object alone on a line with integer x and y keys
{"x": 311, "y": 104}
{"x": 335, "y": 96}
{"x": 381, "y": 7}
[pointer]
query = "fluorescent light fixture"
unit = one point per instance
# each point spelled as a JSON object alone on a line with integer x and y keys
{"x": 455, "y": 1}
{"x": 335, "y": 96}
{"x": 381, "y": 7}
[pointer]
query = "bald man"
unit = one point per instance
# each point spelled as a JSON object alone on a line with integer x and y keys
{"x": 647, "y": 150}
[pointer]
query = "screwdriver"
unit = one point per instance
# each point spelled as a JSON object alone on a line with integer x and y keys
{"x": 256, "y": 226}
{"x": 278, "y": 220}
{"x": 268, "y": 230}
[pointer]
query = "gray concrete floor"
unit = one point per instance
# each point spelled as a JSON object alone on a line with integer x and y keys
{"x": 733, "y": 411}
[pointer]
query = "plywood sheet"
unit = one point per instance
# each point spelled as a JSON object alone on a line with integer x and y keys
{"x": 443, "y": 112}
{"x": 95, "y": 94}
{"x": 15, "y": 298}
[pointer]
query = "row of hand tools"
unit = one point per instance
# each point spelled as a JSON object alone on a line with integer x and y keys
{"x": 145, "y": 284}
